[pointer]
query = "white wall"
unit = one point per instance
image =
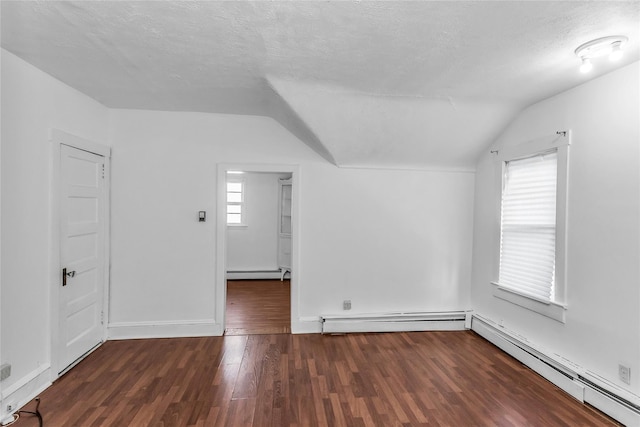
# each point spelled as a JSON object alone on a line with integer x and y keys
{"x": 255, "y": 247}
{"x": 388, "y": 239}
{"x": 32, "y": 104}
{"x": 603, "y": 318}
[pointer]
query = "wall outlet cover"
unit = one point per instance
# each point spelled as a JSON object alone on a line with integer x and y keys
{"x": 624, "y": 373}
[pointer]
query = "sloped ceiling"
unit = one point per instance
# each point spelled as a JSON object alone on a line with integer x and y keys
{"x": 368, "y": 84}
{"x": 400, "y": 132}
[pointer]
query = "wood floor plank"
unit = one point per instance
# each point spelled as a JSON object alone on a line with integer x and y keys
{"x": 258, "y": 307}
{"x": 401, "y": 379}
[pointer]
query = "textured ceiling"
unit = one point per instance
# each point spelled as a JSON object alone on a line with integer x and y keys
{"x": 364, "y": 83}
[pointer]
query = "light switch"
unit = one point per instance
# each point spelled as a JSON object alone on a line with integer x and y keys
{"x": 202, "y": 216}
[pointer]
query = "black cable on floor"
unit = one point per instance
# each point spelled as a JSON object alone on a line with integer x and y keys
{"x": 36, "y": 412}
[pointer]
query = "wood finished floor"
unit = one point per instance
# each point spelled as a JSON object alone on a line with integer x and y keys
{"x": 258, "y": 307}
{"x": 394, "y": 379}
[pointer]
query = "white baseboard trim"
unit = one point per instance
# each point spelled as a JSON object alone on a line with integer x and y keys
{"x": 570, "y": 377}
{"x": 307, "y": 325}
{"x": 164, "y": 329}
{"x": 24, "y": 390}
{"x": 254, "y": 275}
{"x": 395, "y": 322}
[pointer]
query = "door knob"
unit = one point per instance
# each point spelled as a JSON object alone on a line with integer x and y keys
{"x": 65, "y": 274}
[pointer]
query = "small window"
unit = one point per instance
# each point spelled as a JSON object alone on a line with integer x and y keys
{"x": 235, "y": 201}
{"x": 531, "y": 270}
{"x": 528, "y": 226}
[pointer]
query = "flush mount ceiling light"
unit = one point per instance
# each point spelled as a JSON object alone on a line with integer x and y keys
{"x": 610, "y": 45}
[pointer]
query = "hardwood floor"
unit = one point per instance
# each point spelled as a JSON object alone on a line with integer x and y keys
{"x": 258, "y": 307}
{"x": 395, "y": 379}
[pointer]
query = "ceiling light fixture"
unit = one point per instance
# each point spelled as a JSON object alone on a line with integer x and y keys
{"x": 586, "y": 65}
{"x": 616, "y": 51}
{"x": 610, "y": 45}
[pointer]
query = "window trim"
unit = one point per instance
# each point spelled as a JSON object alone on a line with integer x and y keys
{"x": 237, "y": 178}
{"x": 559, "y": 142}
{"x": 551, "y": 309}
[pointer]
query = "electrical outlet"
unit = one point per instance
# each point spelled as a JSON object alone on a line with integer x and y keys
{"x": 346, "y": 304}
{"x": 5, "y": 371}
{"x": 624, "y": 373}
{"x": 11, "y": 407}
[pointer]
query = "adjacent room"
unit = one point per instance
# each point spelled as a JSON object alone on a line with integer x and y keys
{"x": 258, "y": 298}
{"x": 319, "y": 213}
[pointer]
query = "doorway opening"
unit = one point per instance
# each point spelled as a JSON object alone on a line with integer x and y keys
{"x": 256, "y": 290}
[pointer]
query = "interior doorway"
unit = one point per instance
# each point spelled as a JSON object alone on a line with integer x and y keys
{"x": 80, "y": 252}
{"x": 256, "y": 289}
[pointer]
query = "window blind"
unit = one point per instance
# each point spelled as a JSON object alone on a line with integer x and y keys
{"x": 528, "y": 226}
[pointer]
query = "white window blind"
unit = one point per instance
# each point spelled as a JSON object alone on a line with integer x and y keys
{"x": 528, "y": 226}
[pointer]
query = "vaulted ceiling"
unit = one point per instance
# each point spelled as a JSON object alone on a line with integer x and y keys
{"x": 370, "y": 84}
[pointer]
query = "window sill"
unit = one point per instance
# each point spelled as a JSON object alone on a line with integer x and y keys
{"x": 237, "y": 225}
{"x": 553, "y": 310}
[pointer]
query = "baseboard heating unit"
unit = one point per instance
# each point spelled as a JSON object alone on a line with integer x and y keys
{"x": 396, "y": 322}
{"x": 253, "y": 274}
{"x": 582, "y": 384}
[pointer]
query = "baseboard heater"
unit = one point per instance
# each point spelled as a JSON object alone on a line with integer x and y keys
{"x": 582, "y": 384}
{"x": 253, "y": 274}
{"x": 396, "y": 322}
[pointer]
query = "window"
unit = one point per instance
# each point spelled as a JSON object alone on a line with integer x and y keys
{"x": 532, "y": 215}
{"x": 235, "y": 201}
{"x": 528, "y": 226}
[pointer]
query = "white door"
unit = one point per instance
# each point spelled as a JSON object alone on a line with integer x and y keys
{"x": 82, "y": 254}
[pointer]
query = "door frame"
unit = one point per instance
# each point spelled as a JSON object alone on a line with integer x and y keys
{"x": 58, "y": 138}
{"x": 221, "y": 233}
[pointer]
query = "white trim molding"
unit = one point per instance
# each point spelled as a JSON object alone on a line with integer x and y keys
{"x": 221, "y": 235}
{"x": 307, "y": 325}
{"x": 62, "y": 137}
{"x": 164, "y": 329}
{"x": 24, "y": 390}
{"x": 538, "y": 145}
{"x": 558, "y": 142}
{"x": 549, "y": 309}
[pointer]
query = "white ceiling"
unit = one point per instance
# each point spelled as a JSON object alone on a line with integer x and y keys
{"x": 397, "y": 84}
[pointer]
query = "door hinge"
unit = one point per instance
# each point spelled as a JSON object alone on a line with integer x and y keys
{"x": 102, "y": 317}
{"x": 103, "y": 171}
